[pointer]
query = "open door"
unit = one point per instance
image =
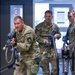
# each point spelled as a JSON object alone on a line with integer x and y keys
{"x": 60, "y": 18}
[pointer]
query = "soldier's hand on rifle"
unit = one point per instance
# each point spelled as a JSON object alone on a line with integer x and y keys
{"x": 55, "y": 36}
{"x": 47, "y": 42}
{"x": 12, "y": 42}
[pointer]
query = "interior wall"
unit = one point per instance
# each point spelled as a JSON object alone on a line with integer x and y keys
{"x": 57, "y": 2}
{"x": 5, "y": 24}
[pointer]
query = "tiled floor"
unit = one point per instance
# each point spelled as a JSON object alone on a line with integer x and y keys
{"x": 60, "y": 71}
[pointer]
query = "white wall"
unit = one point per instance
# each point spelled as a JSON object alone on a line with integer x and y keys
{"x": 57, "y": 2}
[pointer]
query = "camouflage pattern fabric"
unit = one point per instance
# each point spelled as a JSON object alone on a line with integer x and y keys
{"x": 48, "y": 53}
{"x": 71, "y": 38}
{"x": 71, "y": 35}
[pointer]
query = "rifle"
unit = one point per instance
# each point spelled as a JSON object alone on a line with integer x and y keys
{"x": 15, "y": 53}
{"x": 65, "y": 58}
{"x": 50, "y": 36}
{"x": 72, "y": 56}
{"x": 66, "y": 54}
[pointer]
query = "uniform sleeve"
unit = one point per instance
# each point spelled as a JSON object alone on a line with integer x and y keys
{"x": 59, "y": 35}
{"x": 58, "y": 32}
{"x": 72, "y": 44}
{"x": 28, "y": 42}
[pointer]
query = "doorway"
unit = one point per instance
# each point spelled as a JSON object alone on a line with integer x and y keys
{"x": 60, "y": 18}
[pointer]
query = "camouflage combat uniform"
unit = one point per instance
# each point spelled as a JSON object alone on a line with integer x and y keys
{"x": 29, "y": 50}
{"x": 48, "y": 53}
{"x": 71, "y": 38}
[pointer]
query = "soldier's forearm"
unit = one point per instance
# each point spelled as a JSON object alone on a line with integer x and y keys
{"x": 22, "y": 46}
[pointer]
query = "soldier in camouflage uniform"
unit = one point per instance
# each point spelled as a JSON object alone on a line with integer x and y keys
{"x": 48, "y": 53}
{"x": 71, "y": 32}
{"x": 27, "y": 46}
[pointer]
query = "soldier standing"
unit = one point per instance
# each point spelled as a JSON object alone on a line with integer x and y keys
{"x": 71, "y": 34}
{"x": 48, "y": 53}
{"x": 27, "y": 46}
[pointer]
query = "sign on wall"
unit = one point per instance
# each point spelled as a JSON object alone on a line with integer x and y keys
{"x": 15, "y": 10}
